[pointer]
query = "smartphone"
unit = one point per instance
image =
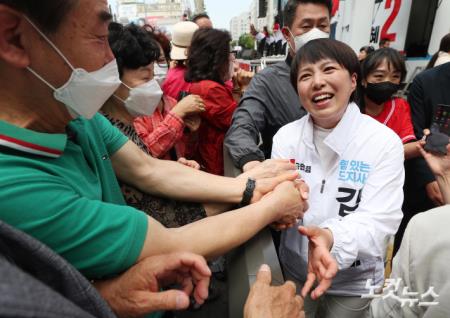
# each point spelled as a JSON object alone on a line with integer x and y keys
{"x": 441, "y": 118}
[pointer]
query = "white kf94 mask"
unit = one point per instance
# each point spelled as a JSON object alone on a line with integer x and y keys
{"x": 85, "y": 92}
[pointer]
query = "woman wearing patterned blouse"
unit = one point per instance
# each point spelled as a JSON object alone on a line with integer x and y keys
{"x": 140, "y": 96}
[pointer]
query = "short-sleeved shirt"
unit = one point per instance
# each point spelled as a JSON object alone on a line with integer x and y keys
{"x": 62, "y": 189}
{"x": 396, "y": 115}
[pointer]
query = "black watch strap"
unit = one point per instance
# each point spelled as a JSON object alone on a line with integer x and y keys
{"x": 248, "y": 192}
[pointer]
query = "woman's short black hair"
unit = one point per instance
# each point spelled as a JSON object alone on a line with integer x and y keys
{"x": 393, "y": 58}
{"x": 368, "y": 49}
{"x": 132, "y": 46}
{"x": 320, "y": 49}
{"x": 209, "y": 56}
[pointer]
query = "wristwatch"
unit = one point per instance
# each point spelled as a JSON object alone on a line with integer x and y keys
{"x": 248, "y": 192}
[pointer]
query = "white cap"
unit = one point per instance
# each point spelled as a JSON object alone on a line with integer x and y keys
{"x": 182, "y": 33}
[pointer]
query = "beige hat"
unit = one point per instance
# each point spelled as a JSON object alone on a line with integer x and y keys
{"x": 182, "y": 33}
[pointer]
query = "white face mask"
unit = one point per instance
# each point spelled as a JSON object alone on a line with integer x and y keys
{"x": 143, "y": 99}
{"x": 314, "y": 34}
{"x": 160, "y": 72}
{"x": 84, "y": 93}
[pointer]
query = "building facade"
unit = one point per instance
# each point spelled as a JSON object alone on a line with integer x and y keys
{"x": 240, "y": 25}
{"x": 263, "y": 12}
{"x": 161, "y": 13}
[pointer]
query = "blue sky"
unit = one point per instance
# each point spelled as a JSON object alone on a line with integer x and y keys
{"x": 220, "y": 11}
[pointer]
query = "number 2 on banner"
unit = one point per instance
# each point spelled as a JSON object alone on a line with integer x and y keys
{"x": 390, "y": 20}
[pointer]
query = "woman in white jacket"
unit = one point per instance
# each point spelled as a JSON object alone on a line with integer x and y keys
{"x": 354, "y": 168}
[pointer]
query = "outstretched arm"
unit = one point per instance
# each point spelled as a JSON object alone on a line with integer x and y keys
{"x": 214, "y": 236}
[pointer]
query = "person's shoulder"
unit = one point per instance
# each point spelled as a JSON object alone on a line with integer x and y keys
{"x": 378, "y": 131}
{"x": 212, "y": 87}
{"x": 275, "y": 68}
{"x": 175, "y": 72}
{"x": 99, "y": 121}
{"x": 401, "y": 104}
{"x": 430, "y": 75}
{"x": 291, "y": 129}
{"x": 274, "y": 74}
{"x": 428, "y": 221}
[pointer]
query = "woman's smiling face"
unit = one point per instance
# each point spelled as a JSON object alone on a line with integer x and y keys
{"x": 325, "y": 88}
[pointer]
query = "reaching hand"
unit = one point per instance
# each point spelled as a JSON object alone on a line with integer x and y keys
{"x": 138, "y": 291}
{"x": 439, "y": 164}
{"x": 190, "y": 105}
{"x": 288, "y": 221}
{"x": 243, "y": 78}
{"x": 272, "y": 301}
{"x": 268, "y": 168}
{"x": 267, "y": 185}
{"x": 288, "y": 201}
{"x": 250, "y": 165}
{"x": 321, "y": 265}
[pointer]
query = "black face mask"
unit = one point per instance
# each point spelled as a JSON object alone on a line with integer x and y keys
{"x": 379, "y": 93}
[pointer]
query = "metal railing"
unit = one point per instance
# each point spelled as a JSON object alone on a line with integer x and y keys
{"x": 243, "y": 262}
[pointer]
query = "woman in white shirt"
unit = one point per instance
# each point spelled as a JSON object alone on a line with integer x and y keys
{"x": 354, "y": 168}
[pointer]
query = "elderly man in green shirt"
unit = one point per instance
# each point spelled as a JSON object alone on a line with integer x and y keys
{"x": 60, "y": 161}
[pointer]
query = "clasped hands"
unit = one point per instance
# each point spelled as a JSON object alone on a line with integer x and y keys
{"x": 292, "y": 194}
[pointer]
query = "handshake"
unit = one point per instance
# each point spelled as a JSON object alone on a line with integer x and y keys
{"x": 280, "y": 190}
{"x": 286, "y": 195}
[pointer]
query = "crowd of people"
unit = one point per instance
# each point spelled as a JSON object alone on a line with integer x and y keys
{"x": 112, "y": 187}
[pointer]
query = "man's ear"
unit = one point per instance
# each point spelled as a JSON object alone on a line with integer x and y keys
{"x": 11, "y": 38}
{"x": 354, "y": 78}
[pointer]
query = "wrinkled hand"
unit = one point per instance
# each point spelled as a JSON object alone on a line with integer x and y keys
{"x": 138, "y": 291}
{"x": 265, "y": 301}
{"x": 189, "y": 163}
{"x": 288, "y": 221}
{"x": 288, "y": 201}
{"x": 321, "y": 265}
{"x": 268, "y": 168}
{"x": 434, "y": 193}
{"x": 193, "y": 122}
{"x": 250, "y": 165}
{"x": 190, "y": 105}
{"x": 243, "y": 78}
{"x": 267, "y": 185}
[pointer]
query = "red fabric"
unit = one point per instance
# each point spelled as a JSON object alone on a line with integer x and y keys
{"x": 397, "y": 116}
{"x": 162, "y": 131}
{"x": 229, "y": 84}
{"x": 175, "y": 83}
{"x": 216, "y": 120}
